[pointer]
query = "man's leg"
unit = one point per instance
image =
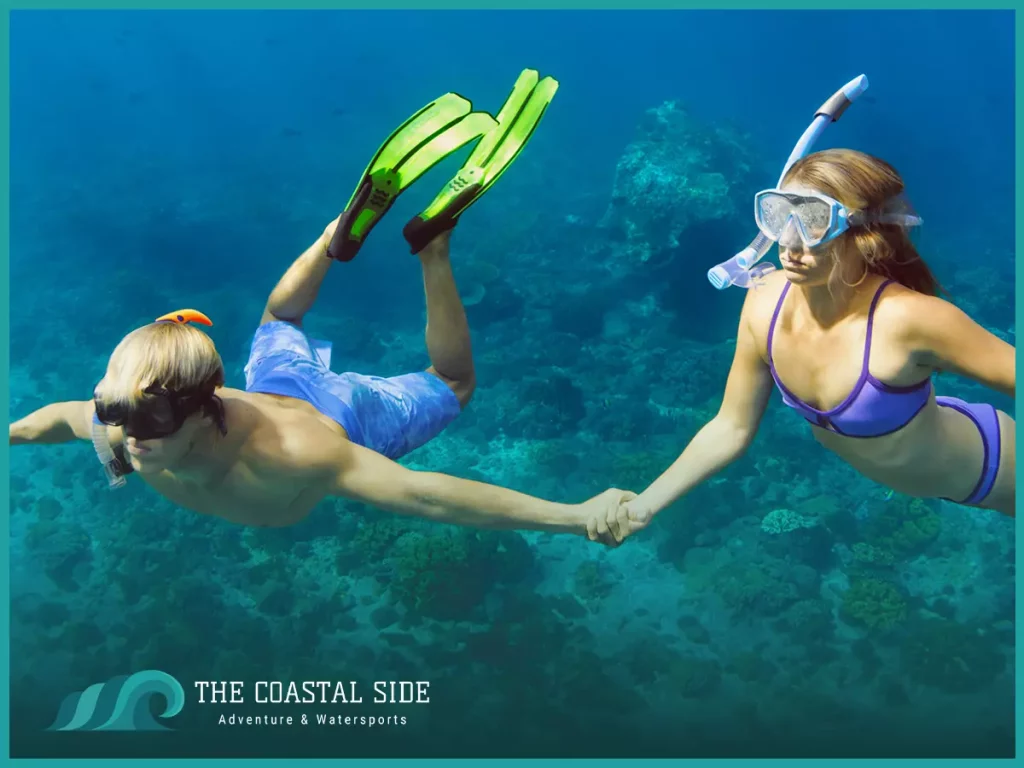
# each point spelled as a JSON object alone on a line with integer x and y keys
{"x": 297, "y": 289}
{"x": 448, "y": 343}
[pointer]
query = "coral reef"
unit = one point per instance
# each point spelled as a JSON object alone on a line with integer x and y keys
{"x": 678, "y": 173}
{"x": 785, "y": 520}
{"x": 952, "y": 657}
{"x": 874, "y": 603}
{"x": 446, "y": 572}
{"x": 902, "y": 529}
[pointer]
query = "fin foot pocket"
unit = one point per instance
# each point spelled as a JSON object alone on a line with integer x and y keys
{"x": 515, "y": 124}
{"x": 421, "y": 142}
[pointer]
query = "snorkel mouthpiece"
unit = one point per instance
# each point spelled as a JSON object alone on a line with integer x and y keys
{"x": 112, "y": 468}
{"x": 737, "y": 270}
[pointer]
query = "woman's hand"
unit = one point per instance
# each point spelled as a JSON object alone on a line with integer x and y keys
{"x": 606, "y": 517}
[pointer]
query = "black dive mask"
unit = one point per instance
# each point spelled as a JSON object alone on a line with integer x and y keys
{"x": 159, "y": 415}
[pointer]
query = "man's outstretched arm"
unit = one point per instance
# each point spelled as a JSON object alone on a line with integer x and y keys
{"x": 364, "y": 475}
{"x": 54, "y": 423}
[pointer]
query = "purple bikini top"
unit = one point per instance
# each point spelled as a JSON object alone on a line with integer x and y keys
{"x": 873, "y": 408}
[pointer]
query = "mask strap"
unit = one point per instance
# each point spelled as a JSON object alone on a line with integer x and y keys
{"x": 896, "y": 210}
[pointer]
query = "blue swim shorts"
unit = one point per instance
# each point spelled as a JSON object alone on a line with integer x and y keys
{"x": 391, "y": 416}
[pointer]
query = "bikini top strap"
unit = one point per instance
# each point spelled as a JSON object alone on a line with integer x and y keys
{"x": 871, "y": 323}
{"x": 775, "y": 317}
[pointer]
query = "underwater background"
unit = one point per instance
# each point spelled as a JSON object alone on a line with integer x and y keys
{"x": 182, "y": 159}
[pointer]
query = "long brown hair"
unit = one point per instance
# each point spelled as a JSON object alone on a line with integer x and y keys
{"x": 866, "y": 184}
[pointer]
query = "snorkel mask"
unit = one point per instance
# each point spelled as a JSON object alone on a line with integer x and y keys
{"x": 743, "y": 269}
{"x": 816, "y": 219}
{"x": 160, "y": 414}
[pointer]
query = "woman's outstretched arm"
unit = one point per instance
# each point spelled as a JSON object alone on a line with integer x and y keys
{"x": 726, "y": 437}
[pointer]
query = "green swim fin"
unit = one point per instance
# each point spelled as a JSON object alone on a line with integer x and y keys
{"x": 416, "y": 146}
{"x": 492, "y": 156}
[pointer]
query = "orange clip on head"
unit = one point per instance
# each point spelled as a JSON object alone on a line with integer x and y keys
{"x": 183, "y": 316}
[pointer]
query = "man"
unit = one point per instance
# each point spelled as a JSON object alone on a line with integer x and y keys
{"x": 300, "y": 432}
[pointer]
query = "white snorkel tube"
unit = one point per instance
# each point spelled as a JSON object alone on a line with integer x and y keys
{"x": 105, "y": 453}
{"x": 743, "y": 269}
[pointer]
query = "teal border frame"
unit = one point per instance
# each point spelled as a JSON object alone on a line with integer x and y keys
{"x": 9, "y": 7}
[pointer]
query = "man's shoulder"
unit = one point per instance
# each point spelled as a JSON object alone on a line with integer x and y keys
{"x": 288, "y": 443}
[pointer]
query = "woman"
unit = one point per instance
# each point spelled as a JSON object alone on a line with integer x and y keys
{"x": 850, "y": 331}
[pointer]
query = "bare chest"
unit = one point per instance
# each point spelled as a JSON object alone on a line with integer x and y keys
{"x": 241, "y": 498}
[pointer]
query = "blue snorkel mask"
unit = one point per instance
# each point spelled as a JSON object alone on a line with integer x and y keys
{"x": 744, "y": 269}
{"x": 813, "y": 219}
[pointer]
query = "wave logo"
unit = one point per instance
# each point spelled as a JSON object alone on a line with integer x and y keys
{"x": 121, "y": 704}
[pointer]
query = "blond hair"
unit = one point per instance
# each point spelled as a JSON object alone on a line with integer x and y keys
{"x": 869, "y": 185}
{"x": 179, "y": 357}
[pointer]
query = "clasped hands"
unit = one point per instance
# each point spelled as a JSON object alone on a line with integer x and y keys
{"x": 612, "y": 516}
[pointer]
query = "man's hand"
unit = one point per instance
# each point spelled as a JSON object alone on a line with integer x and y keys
{"x": 607, "y": 518}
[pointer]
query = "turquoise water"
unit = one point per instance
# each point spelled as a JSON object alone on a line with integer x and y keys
{"x": 162, "y": 160}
